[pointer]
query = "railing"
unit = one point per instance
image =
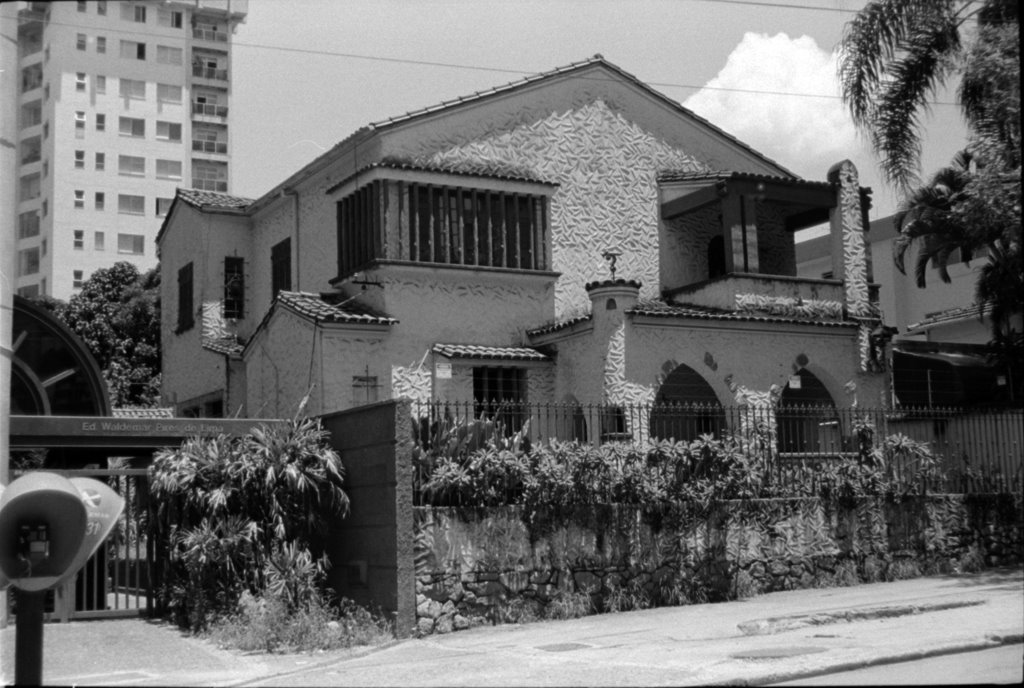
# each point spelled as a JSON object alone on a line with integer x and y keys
{"x": 210, "y": 35}
{"x": 210, "y": 146}
{"x": 210, "y": 73}
{"x": 33, "y": 156}
{"x": 210, "y": 185}
{"x": 209, "y": 109}
{"x": 974, "y": 449}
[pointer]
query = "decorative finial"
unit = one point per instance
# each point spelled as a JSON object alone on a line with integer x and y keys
{"x": 611, "y": 257}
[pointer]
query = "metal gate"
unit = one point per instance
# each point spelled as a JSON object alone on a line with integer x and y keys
{"x": 117, "y": 581}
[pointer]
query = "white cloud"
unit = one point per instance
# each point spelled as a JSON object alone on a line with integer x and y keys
{"x": 805, "y": 135}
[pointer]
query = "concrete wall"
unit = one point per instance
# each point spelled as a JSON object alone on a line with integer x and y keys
{"x": 371, "y": 551}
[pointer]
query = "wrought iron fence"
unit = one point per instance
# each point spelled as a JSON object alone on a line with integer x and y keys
{"x": 974, "y": 450}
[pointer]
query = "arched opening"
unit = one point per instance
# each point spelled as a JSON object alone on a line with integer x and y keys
{"x": 807, "y": 418}
{"x": 686, "y": 407}
{"x": 716, "y": 257}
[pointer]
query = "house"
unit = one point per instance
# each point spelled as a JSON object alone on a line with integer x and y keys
{"x": 573, "y": 237}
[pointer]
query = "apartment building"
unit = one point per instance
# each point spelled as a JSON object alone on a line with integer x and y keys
{"x": 119, "y": 103}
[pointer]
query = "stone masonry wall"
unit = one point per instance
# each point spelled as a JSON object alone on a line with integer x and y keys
{"x": 482, "y": 566}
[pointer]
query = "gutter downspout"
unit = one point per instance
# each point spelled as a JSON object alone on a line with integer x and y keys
{"x": 290, "y": 191}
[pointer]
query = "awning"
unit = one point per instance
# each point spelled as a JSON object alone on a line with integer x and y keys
{"x": 946, "y": 379}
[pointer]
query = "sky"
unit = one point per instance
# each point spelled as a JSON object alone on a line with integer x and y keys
{"x": 307, "y": 73}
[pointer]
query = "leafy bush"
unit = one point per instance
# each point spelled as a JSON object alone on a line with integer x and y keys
{"x": 239, "y": 515}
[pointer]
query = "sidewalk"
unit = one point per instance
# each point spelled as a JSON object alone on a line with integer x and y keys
{"x": 787, "y": 635}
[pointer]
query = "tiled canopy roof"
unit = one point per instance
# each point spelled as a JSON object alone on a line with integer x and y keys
{"x": 664, "y": 310}
{"x": 950, "y": 315}
{"x": 508, "y": 353}
{"x": 485, "y": 168}
{"x": 228, "y": 346}
{"x": 209, "y": 200}
{"x": 554, "y": 327}
{"x": 165, "y": 412}
{"x": 314, "y": 306}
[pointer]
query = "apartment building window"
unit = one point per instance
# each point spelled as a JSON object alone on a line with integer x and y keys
{"x": 79, "y": 199}
{"x": 133, "y": 244}
{"x": 171, "y": 19}
{"x": 79, "y": 159}
{"x": 131, "y": 165}
{"x": 133, "y": 50}
{"x": 80, "y": 82}
{"x": 101, "y": 44}
{"x": 209, "y": 176}
{"x": 281, "y": 266}
{"x": 234, "y": 287}
{"x": 101, "y": 162}
{"x": 43, "y": 245}
{"x": 101, "y": 83}
{"x": 101, "y": 122}
{"x": 101, "y": 7}
{"x": 28, "y": 224}
{"x": 80, "y": 41}
{"x": 79, "y": 124}
{"x": 100, "y": 200}
{"x": 81, "y": 5}
{"x": 46, "y": 92}
{"x": 168, "y": 55}
{"x": 46, "y": 207}
{"x": 46, "y": 169}
{"x": 168, "y": 131}
{"x": 98, "y": 241}
{"x": 132, "y": 12}
{"x": 31, "y": 114}
{"x": 167, "y": 93}
{"x": 132, "y": 126}
{"x": 46, "y": 130}
{"x": 185, "y": 318}
{"x": 28, "y": 261}
{"x": 168, "y": 169}
{"x": 79, "y": 239}
{"x": 29, "y": 187}
{"x": 133, "y": 88}
{"x": 131, "y": 205}
{"x": 163, "y": 206}
{"x": 77, "y": 279}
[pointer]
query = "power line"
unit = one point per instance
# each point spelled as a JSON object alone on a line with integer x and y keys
{"x": 780, "y": 5}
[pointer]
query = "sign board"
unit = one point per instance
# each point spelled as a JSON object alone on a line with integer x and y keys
{"x": 794, "y": 382}
{"x": 443, "y": 371}
{"x": 87, "y": 431}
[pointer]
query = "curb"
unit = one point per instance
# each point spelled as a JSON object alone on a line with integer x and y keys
{"x": 780, "y": 624}
{"x": 357, "y": 654}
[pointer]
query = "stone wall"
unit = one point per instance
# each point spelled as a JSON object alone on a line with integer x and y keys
{"x": 482, "y": 566}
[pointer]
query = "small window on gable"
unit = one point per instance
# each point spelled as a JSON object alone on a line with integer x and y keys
{"x": 185, "y": 317}
{"x": 234, "y": 287}
{"x": 281, "y": 266}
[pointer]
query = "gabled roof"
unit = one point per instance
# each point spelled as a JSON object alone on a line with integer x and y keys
{"x": 315, "y": 307}
{"x": 207, "y": 202}
{"x": 508, "y": 353}
{"x": 663, "y": 310}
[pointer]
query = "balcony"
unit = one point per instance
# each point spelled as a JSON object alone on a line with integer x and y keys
{"x": 210, "y": 73}
{"x": 209, "y": 109}
{"x": 733, "y": 291}
{"x": 210, "y": 146}
{"x": 218, "y": 185}
{"x": 210, "y": 35}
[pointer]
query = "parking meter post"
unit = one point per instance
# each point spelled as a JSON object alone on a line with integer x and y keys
{"x": 28, "y": 638}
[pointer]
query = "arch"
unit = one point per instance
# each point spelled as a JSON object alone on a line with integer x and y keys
{"x": 807, "y": 420}
{"x": 686, "y": 407}
{"x": 716, "y": 257}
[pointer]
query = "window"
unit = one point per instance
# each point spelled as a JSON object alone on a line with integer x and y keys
{"x": 79, "y": 239}
{"x": 101, "y": 122}
{"x": 46, "y": 169}
{"x": 131, "y": 205}
{"x": 29, "y": 187}
{"x": 133, "y": 50}
{"x": 79, "y": 159}
{"x": 365, "y": 389}
{"x": 132, "y": 126}
{"x": 43, "y": 246}
{"x": 80, "y": 82}
{"x": 76, "y": 279}
{"x": 79, "y": 124}
{"x": 168, "y": 169}
{"x": 166, "y": 93}
{"x": 98, "y": 241}
{"x": 133, "y": 88}
{"x": 79, "y": 198}
{"x": 185, "y": 320}
{"x": 101, "y": 161}
{"x": 101, "y": 7}
{"x": 28, "y": 261}
{"x": 101, "y": 83}
{"x": 499, "y": 393}
{"x": 163, "y": 206}
{"x": 132, "y": 12}
{"x": 100, "y": 201}
{"x": 81, "y": 5}
{"x": 46, "y": 207}
{"x": 133, "y": 244}
{"x": 170, "y": 19}
{"x": 80, "y": 41}
{"x": 168, "y": 55}
{"x": 234, "y": 287}
{"x": 168, "y": 131}
{"x": 46, "y": 130}
{"x": 28, "y": 292}
{"x": 101, "y": 44}
{"x": 28, "y": 224}
{"x": 281, "y": 266}
{"x": 447, "y": 225}
{"x": 209, "y": 176}
{"x": 131, "y": 165}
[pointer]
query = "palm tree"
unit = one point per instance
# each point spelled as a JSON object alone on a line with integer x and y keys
{"x": 896, "y": 55}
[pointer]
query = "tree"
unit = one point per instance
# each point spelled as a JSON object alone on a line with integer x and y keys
{"x": 117, "y": 315}
{"x": 895, "y": 56}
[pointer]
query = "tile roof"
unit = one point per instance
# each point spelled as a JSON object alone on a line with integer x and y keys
{"x": 228, "y": 346}
{"x": 508, "y": 353}
{"x": 691, "y": 176}
{"x": 554, "y": 327}
{"x": 316, "y": 307}
{"x": 664, "y": 310}
{"x": 209, "y": 200}
{"x": 165, "y": 412}
{"x": 950, "y": 315}
{"x": 483, "y": 168}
